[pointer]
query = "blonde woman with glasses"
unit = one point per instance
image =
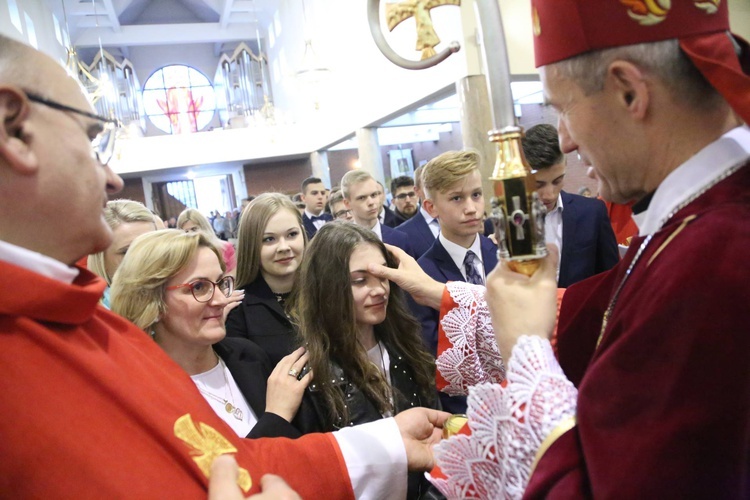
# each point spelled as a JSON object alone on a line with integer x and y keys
{"x": 174, "y": 286}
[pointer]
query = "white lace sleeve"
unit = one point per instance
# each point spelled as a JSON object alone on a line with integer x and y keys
{"x": 508, "y": 425}
{"x": 473, "y": 357}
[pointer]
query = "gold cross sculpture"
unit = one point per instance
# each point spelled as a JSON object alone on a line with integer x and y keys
{"x": 427, "y": 39}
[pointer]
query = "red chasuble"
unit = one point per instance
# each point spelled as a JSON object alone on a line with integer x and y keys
{"x": 664, "y": 401}
{"x": 92, "y": 408}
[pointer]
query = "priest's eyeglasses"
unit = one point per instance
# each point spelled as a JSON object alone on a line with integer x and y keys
{"x": 203, "y": 289}
{"x": 103, "y": 145}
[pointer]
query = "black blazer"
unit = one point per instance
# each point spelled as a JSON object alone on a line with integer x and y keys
{"x": 310, "y": 228}
{"x": 261, "y": 318}
{"x": 589, "y": 246}
{"x": 250, "y": 369}
{"x": 420, "y": 236}
{"x": 406, "y": 392}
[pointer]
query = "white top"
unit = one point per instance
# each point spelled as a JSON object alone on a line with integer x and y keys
{"x": 458, "y": 254}
{"x": 378, "y": 355}
{"x": 431, "y": 221}
{"x": 553, "y": 228}
{"x": 217, "y": 386}
{"x": 693, "y": 176}
{"x": 379, "y": 473}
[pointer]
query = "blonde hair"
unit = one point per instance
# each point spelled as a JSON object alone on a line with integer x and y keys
{"x": 253, "y": 224}
{"x": 440, "y": 173}
{"x": 118, "y": 212}
{"x": 197, "y": 218}
{"x": 138, "y": 285}
{"x": 351, "y": 178}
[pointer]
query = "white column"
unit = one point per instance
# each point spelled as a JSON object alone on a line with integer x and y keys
{"x": 320, "y": 169}
{"x": 370, "y": 159}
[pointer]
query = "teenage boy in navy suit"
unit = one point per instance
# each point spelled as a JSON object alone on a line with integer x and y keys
{"x": 314, "y": 198}
{"x": 579, "y": 226}
{"x": 452, "y": 185}
{"x": 363, "y": 196}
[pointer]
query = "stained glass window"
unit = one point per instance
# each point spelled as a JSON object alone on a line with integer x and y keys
{"x": 179, "y": 99}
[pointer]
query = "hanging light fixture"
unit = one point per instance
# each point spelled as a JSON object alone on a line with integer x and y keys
{"x": 312, "y": 73}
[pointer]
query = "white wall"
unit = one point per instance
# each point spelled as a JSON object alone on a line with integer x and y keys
{"x": 44, "y": 26}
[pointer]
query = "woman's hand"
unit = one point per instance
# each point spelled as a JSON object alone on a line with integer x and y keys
{"x": 285, "y": 391}
{"x": 233, "y": 301}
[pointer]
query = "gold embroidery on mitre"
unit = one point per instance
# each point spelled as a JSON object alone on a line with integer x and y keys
{"x": 536, "y": 23}
{"x": 709, "y": 6}
{"x": 647, "y": 12}
{"x": 206, "y": 444}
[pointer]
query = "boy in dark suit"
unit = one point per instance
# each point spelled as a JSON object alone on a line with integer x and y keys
{"x": 452, "y": 185}
{"x": 579, "y": 226}
{"x": 422, "y": 228}
{"x": 314, "y": 198}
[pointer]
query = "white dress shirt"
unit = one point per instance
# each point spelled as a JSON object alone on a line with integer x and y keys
{"x": 553, "y": 230}
{"x": 458, "y": 254}
{"x": 431, "y": 221}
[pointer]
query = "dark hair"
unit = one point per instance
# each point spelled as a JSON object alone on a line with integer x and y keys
{"x": 323, "y": 310}
{"x": 308, "y": 181}
{"x": 401, "y": 181}
{"x": 541, "y": 147}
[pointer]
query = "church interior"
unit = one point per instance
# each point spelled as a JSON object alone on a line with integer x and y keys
{"x": 223, "y": 99}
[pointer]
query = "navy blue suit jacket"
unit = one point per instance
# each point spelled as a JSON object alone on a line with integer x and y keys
{"x": 439, "y": 265}
{"x": 310, "y": 228}
{"x": 420, "y": 236}
{"x": 589, "y": 246}
{"x": 396, "y": 238}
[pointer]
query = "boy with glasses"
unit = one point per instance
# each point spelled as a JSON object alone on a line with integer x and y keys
{"x": 404, "y": 198}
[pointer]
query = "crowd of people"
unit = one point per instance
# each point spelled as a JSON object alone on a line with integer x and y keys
{"x": 330, "y": 346}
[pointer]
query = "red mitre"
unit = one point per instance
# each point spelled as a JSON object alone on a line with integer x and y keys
{"x": 567, "y": 28}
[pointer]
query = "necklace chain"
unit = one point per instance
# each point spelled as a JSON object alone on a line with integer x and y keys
{"x": 229, "y": 405}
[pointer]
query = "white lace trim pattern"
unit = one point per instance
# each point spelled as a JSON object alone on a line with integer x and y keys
{"x": 473, "y": 357}
{"x": 508, "y": 426}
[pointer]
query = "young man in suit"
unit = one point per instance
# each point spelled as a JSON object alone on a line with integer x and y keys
{"x": 314, "y": 197}
{"x": 422, "y": 228}
{"x": 363, "y": 196}
{"x": 453, "y": 195}
{"x": 579, "y": 226}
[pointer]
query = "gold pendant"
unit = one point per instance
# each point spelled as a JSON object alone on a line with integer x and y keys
{"x": 229, "y": 407}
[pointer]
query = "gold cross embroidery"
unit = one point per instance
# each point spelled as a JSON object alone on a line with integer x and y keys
{"x": 427, "y": 38}
{"x": 206, "y": 444}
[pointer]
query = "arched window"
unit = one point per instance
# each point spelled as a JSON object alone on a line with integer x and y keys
{"x": 179, "y": 99}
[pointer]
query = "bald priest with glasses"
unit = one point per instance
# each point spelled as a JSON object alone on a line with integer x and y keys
{"x": 91, "y": 406}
